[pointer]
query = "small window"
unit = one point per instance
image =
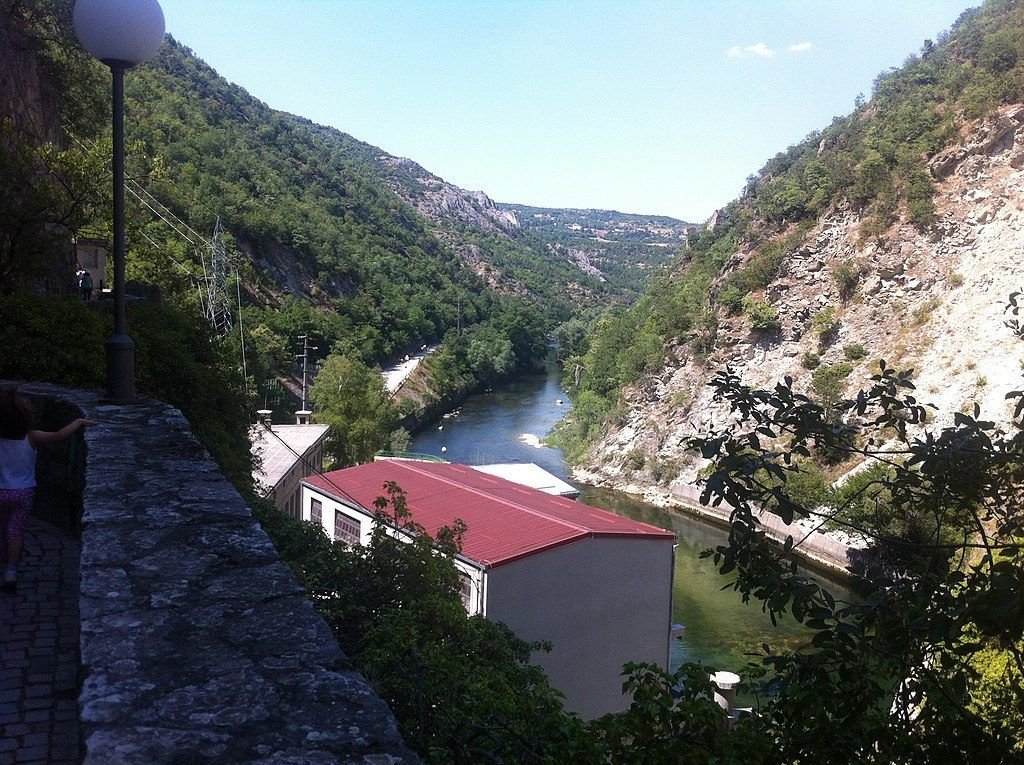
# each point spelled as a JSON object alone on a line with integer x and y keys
{"x": 347, "y": 530}
{"x": 466, "y": 590}
{"x": 316, "y": 511}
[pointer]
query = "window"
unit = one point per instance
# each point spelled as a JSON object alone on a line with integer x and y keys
{"x": 316, "y": 511}
{"x": 466, "y": 590}
{"x": 347, "y": 530}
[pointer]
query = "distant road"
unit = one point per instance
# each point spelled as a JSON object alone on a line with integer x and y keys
{"x": 396, "y": 375}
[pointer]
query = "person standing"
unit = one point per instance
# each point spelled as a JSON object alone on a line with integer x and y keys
{"x": 86, "y": 285}
{"x": 18, "y": 444}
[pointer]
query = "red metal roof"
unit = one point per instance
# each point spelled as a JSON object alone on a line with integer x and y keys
{"x": 505, "y": 521}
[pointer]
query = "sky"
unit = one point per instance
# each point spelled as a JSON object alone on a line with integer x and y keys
{"x": 638, "y": 106}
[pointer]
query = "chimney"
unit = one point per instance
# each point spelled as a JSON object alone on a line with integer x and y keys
{"x": 725, "y": 694}
{"x": 302, "y": 417}
{"x": 263, "y": 416}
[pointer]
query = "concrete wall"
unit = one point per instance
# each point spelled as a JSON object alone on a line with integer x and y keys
{"x": 602, "y": 602}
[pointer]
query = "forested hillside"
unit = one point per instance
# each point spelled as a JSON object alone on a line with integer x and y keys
{"x": 627, "y": 251}
{"x": 304, "y": 205}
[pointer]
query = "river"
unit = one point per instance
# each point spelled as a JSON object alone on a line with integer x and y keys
{"x": 509, "y": 425}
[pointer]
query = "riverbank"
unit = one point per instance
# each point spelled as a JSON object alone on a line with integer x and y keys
{"x": 818, "y": 549}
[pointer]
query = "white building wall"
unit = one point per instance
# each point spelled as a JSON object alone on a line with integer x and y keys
{"x": 601, "y": 602}
{"x": 330, "y": 508}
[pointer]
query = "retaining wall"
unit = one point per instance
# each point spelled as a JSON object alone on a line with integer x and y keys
{"x": 197, "y": 643}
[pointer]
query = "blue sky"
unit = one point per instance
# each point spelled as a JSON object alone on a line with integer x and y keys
{"x": 642, "y": 106}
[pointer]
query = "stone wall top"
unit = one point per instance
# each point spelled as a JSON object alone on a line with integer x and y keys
{"x": 197, "y": 643}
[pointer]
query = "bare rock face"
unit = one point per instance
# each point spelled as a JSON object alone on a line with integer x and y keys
{"x": 990, "y": 137}
{"x": 930, "y": 300}
{"x": 438, "y": 201}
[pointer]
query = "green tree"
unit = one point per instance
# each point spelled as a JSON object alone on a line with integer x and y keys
{"x": 828, "y": 382}
{"x": 462, "y": 688}
{"x": 350, "y": 398}
{"x": 490, "y": 354}
{"x": 892, "y": 678}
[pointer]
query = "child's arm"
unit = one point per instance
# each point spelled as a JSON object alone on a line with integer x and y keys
{"x": 40, "y": 437}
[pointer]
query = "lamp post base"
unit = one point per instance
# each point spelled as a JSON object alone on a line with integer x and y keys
{"x": 120, "y": 369}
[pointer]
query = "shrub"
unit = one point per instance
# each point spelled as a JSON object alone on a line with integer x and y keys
{"x": 828, "y": 383}
{"x": 846, "y": 275}
{"x": 761, "y": 315}
{"x": 824, "y": 320}
{"x": 61, "y": 340}
{"x": 731, "y": 298}
{"x": 636, "y": 460}
{"x": 855, "y": 351}
{"x": 924, "y": 311}
{"x": 811, "y": 360}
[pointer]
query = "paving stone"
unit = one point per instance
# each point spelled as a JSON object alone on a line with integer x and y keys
{"x": 31, "y": 754}
{"x": 42, "y": 614}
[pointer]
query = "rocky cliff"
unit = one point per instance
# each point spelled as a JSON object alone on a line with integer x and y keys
{"x": 440, "y": 201}
{"x": 930, "y": 299}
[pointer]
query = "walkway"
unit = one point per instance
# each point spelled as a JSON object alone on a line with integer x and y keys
{"x": 395, "y": 376}
{"x": 39, "y": 653}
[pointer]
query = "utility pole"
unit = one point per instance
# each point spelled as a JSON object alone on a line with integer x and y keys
{"x": 306, "y": 348}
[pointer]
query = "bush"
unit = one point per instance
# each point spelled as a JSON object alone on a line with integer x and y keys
{"x": 761, "y": 315}
{"x": 828, "y": 383}
{"x": 731, "y": 298}
{"x": 56, "y": 340}
{"x": 824, "y": 320}
{"x": 846, "y": 275}
{"x": 61, "y": 340}
{"x": 810, "y": 360}
{"x": 855, "y": 351}
{"x": 635, "y": 460}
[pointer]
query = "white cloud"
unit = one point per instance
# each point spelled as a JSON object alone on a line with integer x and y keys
{"x": 745, "y": 51}
{"x": 799, "y": 47}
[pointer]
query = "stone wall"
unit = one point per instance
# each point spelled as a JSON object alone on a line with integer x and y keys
{"x": 197, "y": 644}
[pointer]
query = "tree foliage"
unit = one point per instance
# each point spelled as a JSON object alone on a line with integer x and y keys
{"x": 462, "y": 688}
{"x": 350, "y": 398}
{"x": 893, "y": 678}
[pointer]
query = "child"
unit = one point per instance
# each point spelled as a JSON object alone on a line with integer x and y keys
{"x": 18, "y": 443}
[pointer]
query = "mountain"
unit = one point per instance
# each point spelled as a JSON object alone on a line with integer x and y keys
{"x": 625, "y": 250}
{"x": 894, "y": 233}
{"x": 332, "y": 220}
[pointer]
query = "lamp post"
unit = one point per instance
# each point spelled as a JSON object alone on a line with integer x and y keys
{"x": 121, "y": 34}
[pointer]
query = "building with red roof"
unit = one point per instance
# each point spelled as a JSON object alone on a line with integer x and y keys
{"x": 596, "y": 585}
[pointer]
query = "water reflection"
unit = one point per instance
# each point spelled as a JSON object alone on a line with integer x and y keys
{"x": 721, "y": 630}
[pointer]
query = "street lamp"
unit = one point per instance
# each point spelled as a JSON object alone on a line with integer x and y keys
{"x": 121, "y": 34}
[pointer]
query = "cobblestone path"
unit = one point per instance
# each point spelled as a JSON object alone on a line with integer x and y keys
{"x": 39, "y": 653}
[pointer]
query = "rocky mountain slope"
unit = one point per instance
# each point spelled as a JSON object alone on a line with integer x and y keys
{"x": 930, "y": 299}
{"x": 622, "y": 249}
